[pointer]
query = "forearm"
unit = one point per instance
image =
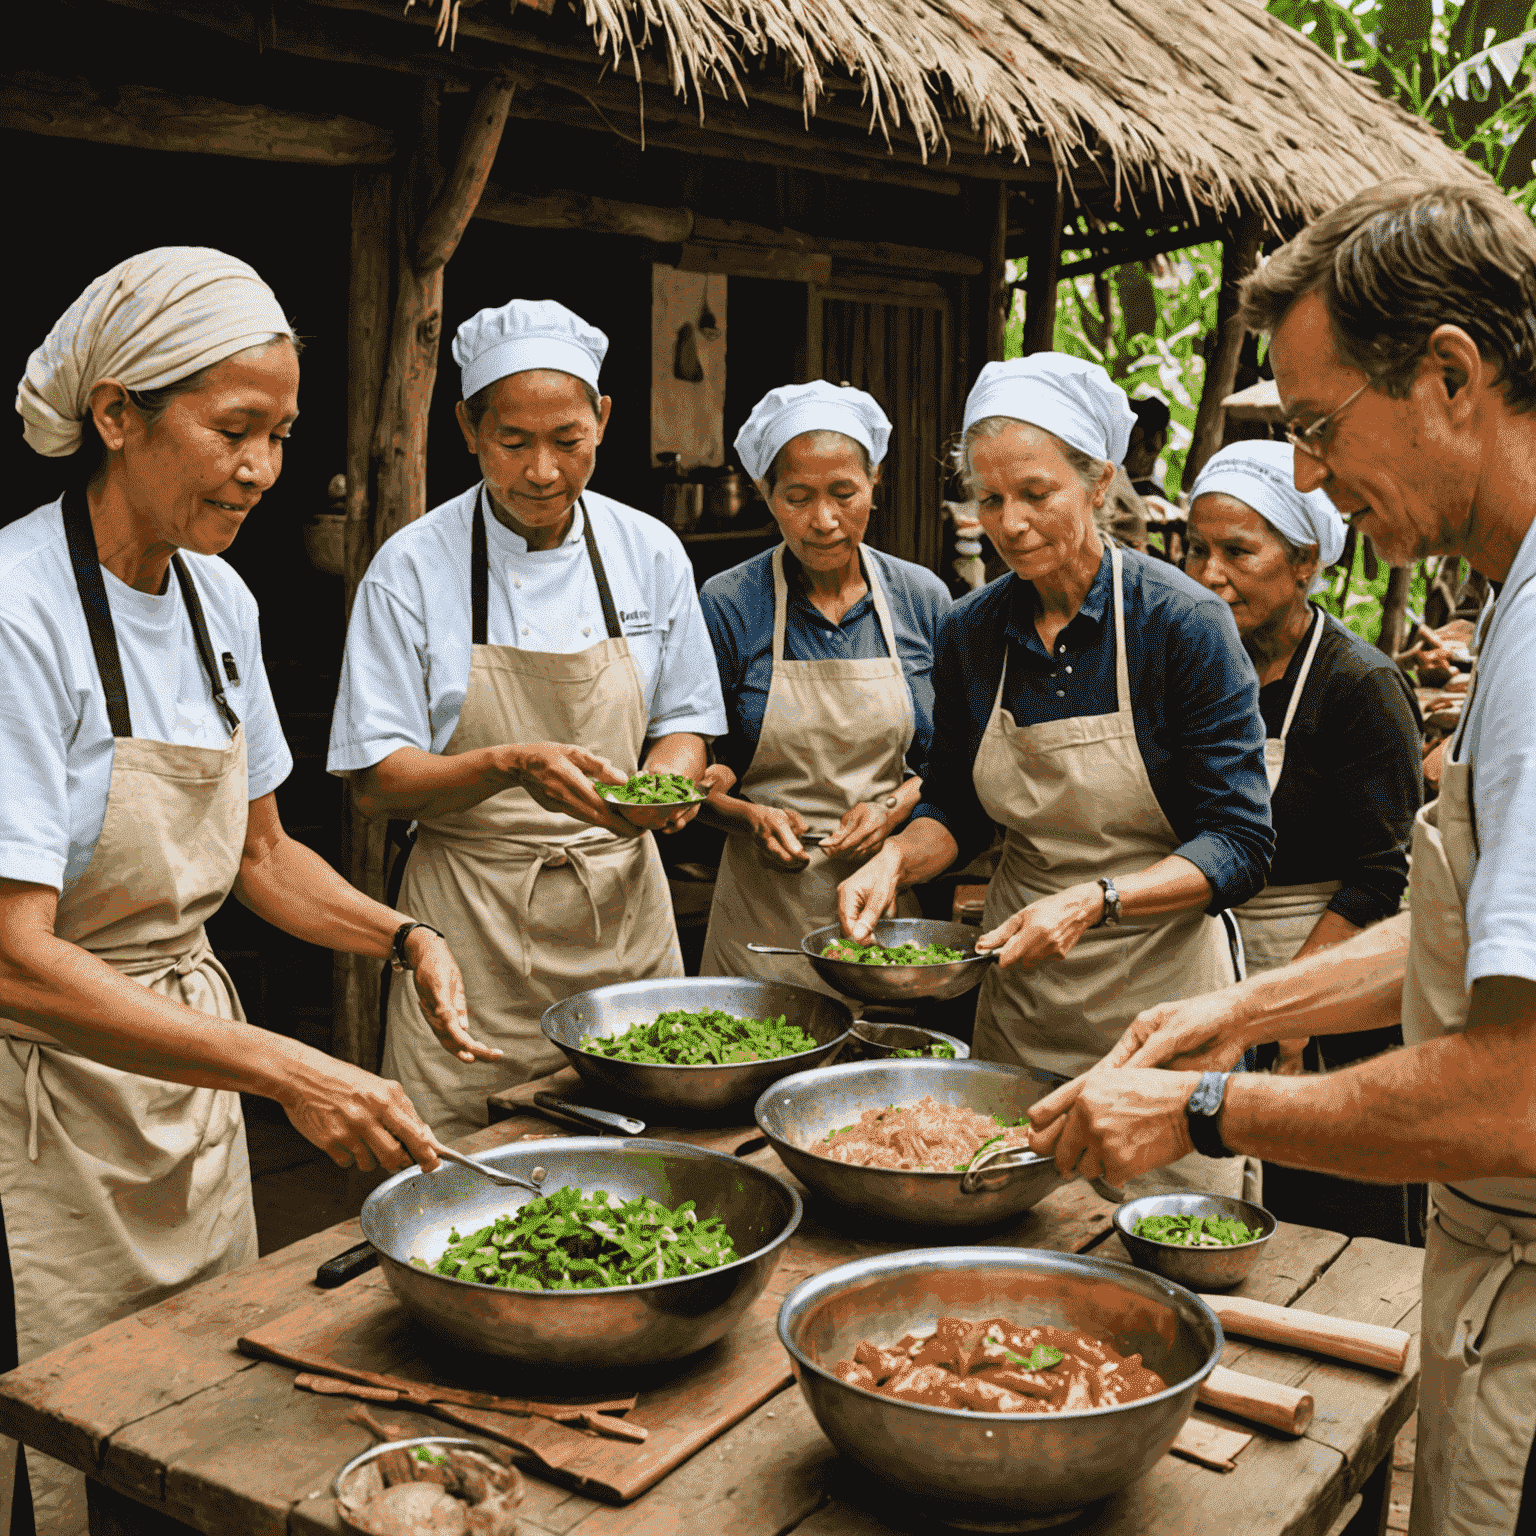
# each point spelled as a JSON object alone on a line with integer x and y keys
{"x": 412, "y": 785}
{"x": 682, "y": 752}
{"x": 907, "y": 799}
{"x": 727, "y": 813}
{"x": 924, "y": 849}
{"x": 1330, "y": 929}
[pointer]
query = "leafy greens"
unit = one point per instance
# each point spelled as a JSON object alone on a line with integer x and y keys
{"x": 705, "y": 1038}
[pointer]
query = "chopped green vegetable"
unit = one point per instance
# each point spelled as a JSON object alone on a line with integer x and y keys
{"x": 960, "y": 1167}
{"x": 427, "y": 1457}
{"x": 1196, "y": 1231}
{"x": 901, "y": 954}
{"x": 1009, "y": 1124}
{"x": 838, "y": 1132}
{"x": 650, "y": 789}
{"x": 941, "y": 1050}
{"x": 1041, "y": 1358}
{"x": 705, "y": 1038}
{"x": 568, "y": 1241}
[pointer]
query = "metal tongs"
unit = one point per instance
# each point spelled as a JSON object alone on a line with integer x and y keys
{"x": 991, "y": 1166}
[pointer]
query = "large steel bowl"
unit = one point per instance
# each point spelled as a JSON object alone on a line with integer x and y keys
{"x": 607, "y": 1011}
{"x": 410, "y": 1217}
{"x": 1202, "y": 1269}
{"x": 978, "y": 1467}
{"x": 902, "y": 983}
{"x": 798, "y": 1112}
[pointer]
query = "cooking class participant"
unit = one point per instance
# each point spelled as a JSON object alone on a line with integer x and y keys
{"x": 141, "y": 750}
{"x": 825, "y": 650}
{"x": 505, "y": 649}
{"x": 1343, "y": 757}
{"x": 1099, "y": 706}
{"x": 1403, "y": 346}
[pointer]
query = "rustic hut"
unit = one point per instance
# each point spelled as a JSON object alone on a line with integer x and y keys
{"x": 837, "y": 187}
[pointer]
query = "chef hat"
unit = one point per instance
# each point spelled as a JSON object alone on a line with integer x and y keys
{"x": 527, "y": 333}
{"x": 1262, "y": 475}
{"x": 152, "y": 319}
{"x": 786, "y": 412}
{"x": 1067, "y": 396}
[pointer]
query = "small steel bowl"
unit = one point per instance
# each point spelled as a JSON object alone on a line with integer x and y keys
{"x": 1201, "y": 1269}
{"x": 342, "y": 1485}
{"x": 409, "y": 1216}
{"x": 880, "y": 1042}
{"x": 797, "y": 1112}
{"x": 689, "y": 1091}
{"x": 648, "y": 816}
{"x": 902, "y": 983}
{"x": 976, "y": 1467}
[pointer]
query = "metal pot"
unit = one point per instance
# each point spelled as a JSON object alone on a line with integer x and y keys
{"x": 898, "y": 983}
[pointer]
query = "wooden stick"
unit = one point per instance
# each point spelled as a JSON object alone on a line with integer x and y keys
{"x": 445, "y": 225}
{"x": 1287, "y": 1409}
{"x": 1360, "y": 1343}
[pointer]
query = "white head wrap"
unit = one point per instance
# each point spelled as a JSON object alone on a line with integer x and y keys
{"x": 525, "y": 334}
{"x": 1262, "y": 475}
{"x": 151, "y": 320}
{"x": 786, "y": 412}
{"x": 1068, "y": 396}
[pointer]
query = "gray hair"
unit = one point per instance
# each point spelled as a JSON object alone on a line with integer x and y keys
{"x": 820, "y": 434}
{"x": 1088, "y": 469}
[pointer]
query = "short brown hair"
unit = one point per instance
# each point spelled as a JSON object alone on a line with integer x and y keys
{"x": 1400, "y": 259}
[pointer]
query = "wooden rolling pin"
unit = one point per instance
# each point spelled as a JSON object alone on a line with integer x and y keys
{"x": 1287, "y": 1409}
{"x": 1360, "y": 1343}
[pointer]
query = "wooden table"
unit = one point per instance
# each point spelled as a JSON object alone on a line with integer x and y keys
{"x": 180, "y": 1432}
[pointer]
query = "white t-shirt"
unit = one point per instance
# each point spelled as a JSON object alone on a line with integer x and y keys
{"x": 55, "y": 743}
{"x": 1500, "y": 743}
{"x": 409, "y": 643}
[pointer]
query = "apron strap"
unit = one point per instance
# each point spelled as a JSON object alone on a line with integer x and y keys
{"x": 204, "y": 644}
{"x": 1306, "y": 667}
{"x": 781, "y": 604}
{"x": 98, "y": 612}
{"x": 1122, "y": 666}
{"x": 480, "y": 573}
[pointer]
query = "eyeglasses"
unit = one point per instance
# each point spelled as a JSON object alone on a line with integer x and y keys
{"x": 1313, "y": 440}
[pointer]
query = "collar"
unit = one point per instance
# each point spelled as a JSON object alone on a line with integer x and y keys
{"x": 1021, "y": 605}
{"x": 500, "y": 537}
{"x": 799, "y": 588}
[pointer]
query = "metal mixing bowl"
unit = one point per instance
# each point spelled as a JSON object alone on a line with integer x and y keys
{"x": 1202, "y": 1269}
{"x": 607, "y": 1011}
{"x": 649, "y": 816}
{"x": 880, "y": 1042}
{"x": 410, "y": 1216}
{"x": 998, "y": 1466}
{"x": 344, "y": 1485}
{"x": 799, "y": 1111}
{"x": 902, "y": 983}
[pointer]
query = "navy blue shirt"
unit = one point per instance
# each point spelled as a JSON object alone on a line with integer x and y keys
{"x": 738, "y": 612}
{"x": 1194, "y": 698}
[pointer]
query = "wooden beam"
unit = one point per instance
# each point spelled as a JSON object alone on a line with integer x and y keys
{"x": 741, "y": 260}
{"x": 445, "y": 225}
{"x": 995, "y": 274}
{"x": 870, "y": 253}
{"x": 1043, "y": 271}
{"x": 1139, "y": 250}
{"x": 1239, "y": 253}
{"x": 578, "y": 210}
{"x": 140, "y": 117}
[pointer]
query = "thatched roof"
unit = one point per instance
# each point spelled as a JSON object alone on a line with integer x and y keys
{"x": 1204, "y": 101}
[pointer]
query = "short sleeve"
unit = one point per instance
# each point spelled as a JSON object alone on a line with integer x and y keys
{"x": 686, "y": 696}
{"x": 36, "y": 725}
{"x": 381, "y": 701}
{"x": 268, "y": 761}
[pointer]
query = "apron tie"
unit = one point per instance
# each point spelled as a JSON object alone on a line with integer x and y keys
{"x": 1474, "y": 1315}
{"x": 554, "y": 856}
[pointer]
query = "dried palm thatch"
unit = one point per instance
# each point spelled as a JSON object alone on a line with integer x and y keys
{"x": 1211, "y": 101}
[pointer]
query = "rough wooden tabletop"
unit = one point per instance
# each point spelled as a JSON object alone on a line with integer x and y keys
{"x": 162, "y": 1408}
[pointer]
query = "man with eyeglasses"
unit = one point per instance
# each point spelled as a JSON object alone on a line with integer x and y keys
{"x": 1403, "y": 338}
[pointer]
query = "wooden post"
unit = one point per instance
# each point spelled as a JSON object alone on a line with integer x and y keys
{"x": 1394, "y": 609}
{"x": 1046, "y": 211}
{"x": 389, "y": 392}
{"x": 995, "y": 275}
{"x": 1239, "y": 252}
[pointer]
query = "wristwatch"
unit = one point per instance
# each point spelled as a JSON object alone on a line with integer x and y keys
{"x": 1111, "y": 917}
{"x": 402, "y": 933}
{"x": 1203, "y": 1111}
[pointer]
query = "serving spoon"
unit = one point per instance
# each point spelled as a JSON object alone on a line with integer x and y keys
{"x": 507, "y": 1180}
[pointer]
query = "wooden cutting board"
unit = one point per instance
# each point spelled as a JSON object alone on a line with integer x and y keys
{"x": 683, "y": 1406}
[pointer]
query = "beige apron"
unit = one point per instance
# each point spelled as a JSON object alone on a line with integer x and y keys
{"x": 534, "y": 905}
{"x": 834, "y": 733}
{"x": 121, "y": 1190}
{"x": 1075, "y": 802}
{"x": 1477, "y": 1397}
{"x": 1280, "y": 919}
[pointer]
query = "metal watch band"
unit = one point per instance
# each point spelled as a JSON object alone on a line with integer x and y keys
{"x": 402, "y": 933}
{"x": 1202, "y": 1110}
{"x": 1111, "y": 917}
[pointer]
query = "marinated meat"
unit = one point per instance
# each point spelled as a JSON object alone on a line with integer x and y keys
{"x": 922, "y": 1136}
{"x": 998, "y": 1366}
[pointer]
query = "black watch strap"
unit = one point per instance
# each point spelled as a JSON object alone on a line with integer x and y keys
{"x": 402, "y": 933}
{"x": 1203, "y": 1110}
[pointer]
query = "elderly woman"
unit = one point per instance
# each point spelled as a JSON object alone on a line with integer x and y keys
{"x": 1099, "y": 706}
{"x": 1343, "y": 759}
{"x": 825, "y": 650}
{"x": 511, "y": 646}
{"x": 141, "y": 751}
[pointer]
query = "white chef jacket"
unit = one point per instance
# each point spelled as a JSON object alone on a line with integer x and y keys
{"x": 56, "y": 746}
{"x": 406, "y": 665}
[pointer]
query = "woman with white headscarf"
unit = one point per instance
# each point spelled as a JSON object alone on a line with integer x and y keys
{"x": 825, "y": 651}
{"x": 1343, "y": 759}
{"x": 141, "y": 750}
{"x": 1098, "y": 705}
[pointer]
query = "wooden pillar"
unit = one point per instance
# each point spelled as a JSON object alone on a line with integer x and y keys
{"x": 1047, "y": 212}
{"x": 1394, "y": 609}
{"x": 1239, "y": 253}
{"x": 995, "y": 275}
{"x": 388, "y": 395}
